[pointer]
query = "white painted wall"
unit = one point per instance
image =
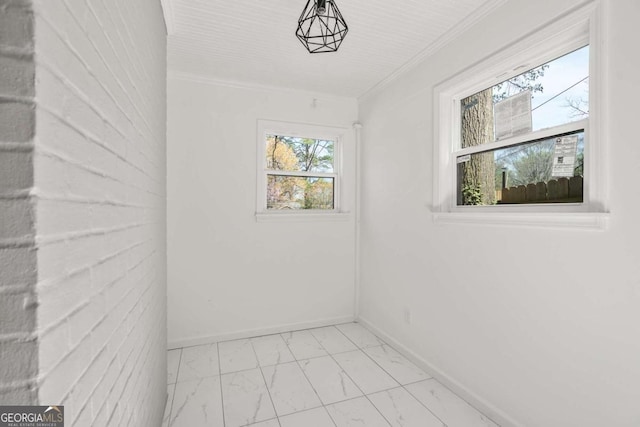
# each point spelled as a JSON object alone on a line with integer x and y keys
{"x": 229, "y": 275}
{"x": 541, "y": 325}
{"x": 18, "y": 272}
{"x": 99, "y": 195}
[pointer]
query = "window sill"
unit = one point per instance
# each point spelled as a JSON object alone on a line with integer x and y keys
{"x": 302, "y": 216}
{"x": 556, "y": 220}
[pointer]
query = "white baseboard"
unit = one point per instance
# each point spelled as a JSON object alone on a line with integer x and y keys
{"x": 248, "y": 333}
{"x": 491, "y": 411}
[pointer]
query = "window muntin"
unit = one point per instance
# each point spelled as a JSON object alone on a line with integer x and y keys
{"x": 301, "y": 173}
{"x": 511, "y": 116}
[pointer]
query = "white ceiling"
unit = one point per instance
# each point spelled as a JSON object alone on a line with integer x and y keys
{"x": 253, "y": 41}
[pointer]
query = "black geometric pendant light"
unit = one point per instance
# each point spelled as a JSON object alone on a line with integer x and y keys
{"x": 321, "y": 27}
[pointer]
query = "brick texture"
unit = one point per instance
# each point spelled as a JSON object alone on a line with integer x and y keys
{"x": 99, "y": 194}
{"x": 18, "y": 263}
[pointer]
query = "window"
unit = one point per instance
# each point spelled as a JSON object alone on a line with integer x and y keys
{"x": 518, "y": 137}
{"x": 300, "y": 172}
{"x": 536, "y": 122}
{"x": 298, "y": 169}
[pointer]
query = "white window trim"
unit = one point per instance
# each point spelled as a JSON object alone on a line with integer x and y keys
{"x": 574, "y": 30}
{"x": 336, "y": 134}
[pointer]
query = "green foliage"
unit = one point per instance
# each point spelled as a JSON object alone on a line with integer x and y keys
{"x": 312, "y": 154}
{"x": 471, "y": 195}
{"x": 520, "y": 83}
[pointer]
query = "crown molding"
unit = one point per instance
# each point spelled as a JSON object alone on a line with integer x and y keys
{"x": 446, "y": 38}
{"x": 169, "y": 16}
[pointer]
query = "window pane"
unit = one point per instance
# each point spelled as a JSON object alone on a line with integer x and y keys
{"x": 544, "y": 171}
{"x": 295, "y": 154}
{"x": 552, "y": 94}
{"x": 565, "y": 94}
{"x": 296, "y": 192}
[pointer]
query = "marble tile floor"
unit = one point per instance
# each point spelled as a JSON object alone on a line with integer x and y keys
{"x": 336, "y": 376}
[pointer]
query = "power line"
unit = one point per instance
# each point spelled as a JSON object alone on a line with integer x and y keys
{"x": 557, "y": 95}
{"x": 533, "y": 109}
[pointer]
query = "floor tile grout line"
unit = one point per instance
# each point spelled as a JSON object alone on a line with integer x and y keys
{"x": 171, "y": 405}
{"x": 415, "y": 382}
{"x": 329, "y": 414}
{"x": 279, "y": 353}
{"x": 358, "y": 348}
{"x": 269, "y": 394}
{"x": 362, "y": 349}
{"x": 362, "y": 391}
{"x": 276, "y": 333}
{"x": 378, "y": 409}
{"x": 454, "y": 394}
{"x": 325, "y": 348}
{"x": 309, "y": 381}
{"x": 179, "y": 364}
{"x": 264, "y": 421}
{"x": 312, "y": 336}
{"x": 175, "y": 386}
{"x": 257, "y": 363}
{"x": 310, "y": 385}
{"x": 264, "y": 379}
{"x": 379, "y": 366}
{"x": 298, "y": 362}
{"x": 425, "y": 406}
{"x": 401, "y": 385}
{"x": 224, "y": 421}
{"x": 201, "y": 377}
{"x": 388, "y": 373}
{"x": 366, "y": 396}
{"x": 335, "y": 326}
{"x": 311, "y": 409}
{"x": 347, "y": 337}
{"x": 321, "y": 345}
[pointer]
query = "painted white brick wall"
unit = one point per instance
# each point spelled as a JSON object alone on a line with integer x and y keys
{"x": 100, "y": 168}
{"x": 18, "y": 344}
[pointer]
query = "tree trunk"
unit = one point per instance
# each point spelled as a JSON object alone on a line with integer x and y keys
{"x": 477, "y": 184}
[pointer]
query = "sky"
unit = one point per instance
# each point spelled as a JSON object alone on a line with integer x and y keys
{"x": 561, "y": 74}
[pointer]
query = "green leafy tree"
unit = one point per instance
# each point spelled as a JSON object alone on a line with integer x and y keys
{"x": 312, "y": 154}
{"x": 520, "y": 83}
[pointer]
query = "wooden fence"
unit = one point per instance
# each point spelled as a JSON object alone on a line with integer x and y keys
{"x": 557, "y": 190}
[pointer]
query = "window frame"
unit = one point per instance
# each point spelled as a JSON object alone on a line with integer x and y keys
{"x": 577, "y": 29}
{"x": 302, "y": 130}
